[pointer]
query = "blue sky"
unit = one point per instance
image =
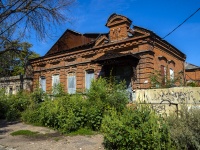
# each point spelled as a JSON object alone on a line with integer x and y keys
{"x": 159, "y": 16}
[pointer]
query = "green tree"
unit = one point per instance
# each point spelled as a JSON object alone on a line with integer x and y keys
{"x": 14, "y": 59}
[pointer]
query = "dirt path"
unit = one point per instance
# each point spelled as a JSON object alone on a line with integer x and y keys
{"x": 48, "y": 139}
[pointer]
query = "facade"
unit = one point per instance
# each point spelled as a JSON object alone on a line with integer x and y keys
{"x": 127, "y": 53}
{"x": 192, "y": 73}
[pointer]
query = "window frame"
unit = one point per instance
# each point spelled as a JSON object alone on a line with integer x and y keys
{"x": 40, "y": 79}
{"x": 71, "y": 75}
{"x": 87, "y": 72}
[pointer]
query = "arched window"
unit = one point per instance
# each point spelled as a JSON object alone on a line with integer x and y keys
{"x": 55, "y": 82}
{"x": 89, "y": 76}
{"x": 43, "y": 83}
{"x": 71, "y": 83}
{"x": 171, "y": 72}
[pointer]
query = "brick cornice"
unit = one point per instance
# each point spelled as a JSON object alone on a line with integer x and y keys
{"x": 92, "y": 51}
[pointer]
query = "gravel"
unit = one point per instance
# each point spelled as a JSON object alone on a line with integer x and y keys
{"x": 48, "y": 139}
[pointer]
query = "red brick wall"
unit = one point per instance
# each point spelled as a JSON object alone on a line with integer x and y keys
{"x": 193, "y": 74}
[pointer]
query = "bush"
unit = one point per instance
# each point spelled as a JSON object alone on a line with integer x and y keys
{"x": 135, "y": 129}
{"x": 185, "y": 129}
{"x": 66, "y": 113}
{"x": 109, "y": 93}
{"x": 69, "y": 113}
{"x": 11, "y": 106}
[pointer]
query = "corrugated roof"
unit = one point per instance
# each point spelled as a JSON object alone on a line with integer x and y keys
{"x": 189, "y": 66}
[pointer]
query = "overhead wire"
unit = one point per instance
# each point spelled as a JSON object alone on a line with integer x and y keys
{"x": 21, "y": 18}
{"x": 2, "y": 14}
{"x": 181, "y": 23}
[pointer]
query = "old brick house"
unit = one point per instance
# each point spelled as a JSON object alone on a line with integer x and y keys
{"x": 131, "y": 54}
{"x": 192, "y": 73}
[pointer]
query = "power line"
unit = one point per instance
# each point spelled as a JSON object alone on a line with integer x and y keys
{"x": 2, "y": 14}
{"x": 181, "y": 23}
{"x": 21, "y": 18}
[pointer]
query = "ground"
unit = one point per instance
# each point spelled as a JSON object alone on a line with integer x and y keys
{"x": 48, "y": 139}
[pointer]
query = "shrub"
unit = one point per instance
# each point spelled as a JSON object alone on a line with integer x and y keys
{"x": 185, "y": 129}
{"x": 109, "y": 93}
{"x": 11, "y": 106}
{"x": 133, "y": 129}
{"x": 69, "y": 113}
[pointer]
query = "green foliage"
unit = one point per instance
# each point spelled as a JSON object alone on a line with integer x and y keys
{"x": 69, "y": 113}
{"x": 38, "y": 95}
{"x": 185, "y": 129}
{"x": 108, "y": 92}
{"x": 193, "y": 84}
{"x": 12, "y": 106}
{"x": 3, "y": 104}
{"x": 159, "y": 81}
{"x": 82, "y": 131}
{"x": 132, "y": 129}
{"x": 24, "y": 132}
{"x": 58, "y": 90}
{"x": 17, "y": 55}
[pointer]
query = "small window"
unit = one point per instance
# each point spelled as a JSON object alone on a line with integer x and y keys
{"x": 10, "y": 90}
{"x": 89, "y": 76}
{"x": 43, "y": 83}
{"x": 71, "y": 83}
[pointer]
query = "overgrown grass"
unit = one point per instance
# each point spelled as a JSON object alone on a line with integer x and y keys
{"x": 25, "y": 133}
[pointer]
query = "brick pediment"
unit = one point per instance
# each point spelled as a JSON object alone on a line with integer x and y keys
{"x": 116, "y": 19}
{"x": 101, "y": 40}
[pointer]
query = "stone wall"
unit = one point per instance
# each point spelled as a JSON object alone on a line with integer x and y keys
{"x": 170, "y": 99}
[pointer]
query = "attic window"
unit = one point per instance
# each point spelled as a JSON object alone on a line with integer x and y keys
{"x": 130, "y": 34}
{"x": 106, "y": 41}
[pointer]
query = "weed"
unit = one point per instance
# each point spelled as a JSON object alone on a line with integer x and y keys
{"x": 24, "y": 132}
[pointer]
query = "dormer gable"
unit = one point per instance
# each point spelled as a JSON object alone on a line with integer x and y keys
{"x": 118, "y": 25}
{"x": 101, "y": 40}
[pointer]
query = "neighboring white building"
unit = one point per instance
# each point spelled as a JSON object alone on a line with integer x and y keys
{"x": 13, "y": 84}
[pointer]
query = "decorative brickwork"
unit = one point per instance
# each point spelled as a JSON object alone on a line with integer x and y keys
{"x": 137, "y": 51}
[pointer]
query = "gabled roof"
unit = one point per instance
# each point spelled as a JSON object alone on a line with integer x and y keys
{"x": 70, "y": 40}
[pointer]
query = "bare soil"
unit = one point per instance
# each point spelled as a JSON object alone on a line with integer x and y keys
{"x": 48, "y": 139}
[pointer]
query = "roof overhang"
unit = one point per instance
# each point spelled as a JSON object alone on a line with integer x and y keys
{"x": 114, "y": 55}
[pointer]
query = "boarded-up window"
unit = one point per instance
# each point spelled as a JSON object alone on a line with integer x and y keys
{"x": 43, "y": 83}
{"x": 55, "y": 80}
{"x": 163, "y": 74}
{"x": 89, "y": 76}
{"x": 71, "y": 80}
{"x": 171, "y": 72}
